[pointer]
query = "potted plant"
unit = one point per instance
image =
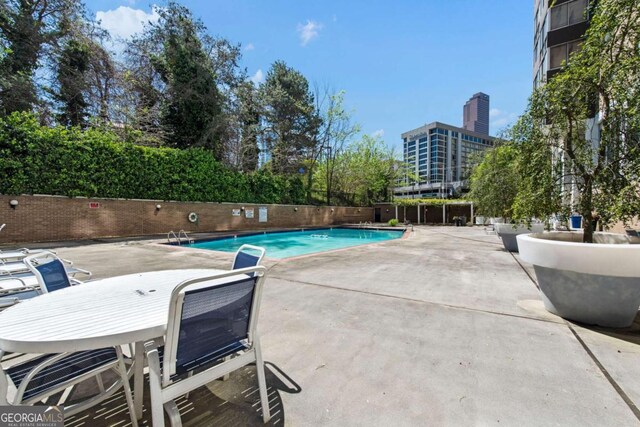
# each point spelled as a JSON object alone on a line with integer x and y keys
{"x": 583, "y": 127}
{"x": 494, "y": 186}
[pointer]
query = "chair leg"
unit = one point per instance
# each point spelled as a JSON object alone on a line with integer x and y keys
{"x": 189, "y": 375}
{"x": 174, "y": 414}
{"x": 138, "y": 377}
{"x": 226, "y": 376}
{"x": 262, "y": 382}
{"x": 127, "y": 387}
{"x": 155, "y": 384}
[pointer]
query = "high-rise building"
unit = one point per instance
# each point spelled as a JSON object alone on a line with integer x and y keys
{"x": 438, "y": 158}
{"x": 558, "y": 32}
{"x": 476, "y": 114}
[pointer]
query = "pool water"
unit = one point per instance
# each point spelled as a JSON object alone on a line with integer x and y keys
{"x": 294, "y": 243}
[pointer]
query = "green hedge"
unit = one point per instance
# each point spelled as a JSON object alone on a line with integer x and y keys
{"x": 36, "y": 159}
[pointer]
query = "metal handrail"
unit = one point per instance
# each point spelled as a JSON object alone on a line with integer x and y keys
{"x": 186, "y": 236}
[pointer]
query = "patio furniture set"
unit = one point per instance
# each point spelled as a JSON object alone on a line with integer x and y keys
{"x": 190, "y": 326}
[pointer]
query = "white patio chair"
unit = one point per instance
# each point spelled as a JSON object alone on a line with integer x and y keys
{"x": 50, "y": 271}
{"x": 36, "y": 379}
{"x": 211, "y": 331}
{"x": 244, "y": 258}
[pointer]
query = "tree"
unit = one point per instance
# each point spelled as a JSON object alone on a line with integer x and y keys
{"x": 244, "y": 130}
{"x": 181, "y": 80}
{"x": 494, "y": 181}
{"x": 363, "y": 172}
{"x": 193, "y": 104}
{"x": 73, "y": 63}
{"x": 334, "y": 131}
{"x": 290, "y": 119}
{"x": 26, "y": 27}
{"x": 600, "y": 156}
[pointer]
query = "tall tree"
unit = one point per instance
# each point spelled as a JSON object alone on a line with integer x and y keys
{"x": 290, "y": 119}
{"x": 335, "y": 130}
{"x": 181, "y": 79}
{"x": 72, "y": 65}
{"x": 27, "y": 26}
{"x": 599, "y": 156}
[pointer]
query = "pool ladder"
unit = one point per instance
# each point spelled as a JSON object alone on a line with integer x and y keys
{"x": 172, "y": 237}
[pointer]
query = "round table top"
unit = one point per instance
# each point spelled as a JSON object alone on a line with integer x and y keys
{"x": 114, "y": 311}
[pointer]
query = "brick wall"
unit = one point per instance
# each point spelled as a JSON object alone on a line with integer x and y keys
{"x": 51, "y": 218}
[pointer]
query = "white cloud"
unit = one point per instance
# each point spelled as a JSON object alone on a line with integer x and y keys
{"x": 125, "y": 21}
{"x": 258, "y": 77}
{"x": 378, "y": 134}
{"x": 249, "y": 47}
{"x": 499, "y": 119}
{"x": 308, "y": 31}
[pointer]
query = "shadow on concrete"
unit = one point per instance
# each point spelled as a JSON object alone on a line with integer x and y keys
{"x": 235, "y": 402}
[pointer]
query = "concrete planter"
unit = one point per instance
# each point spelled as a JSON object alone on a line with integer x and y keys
{"x": 508, "y": 233}
{"x": 590, "y": 283}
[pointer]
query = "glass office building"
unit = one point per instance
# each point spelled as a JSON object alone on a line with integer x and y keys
{"x": 438, "y": 158}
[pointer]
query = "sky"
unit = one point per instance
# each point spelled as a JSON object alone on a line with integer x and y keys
{"x": 402, "y": 63}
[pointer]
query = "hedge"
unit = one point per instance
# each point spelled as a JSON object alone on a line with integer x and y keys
{"x": 37, "y": 159}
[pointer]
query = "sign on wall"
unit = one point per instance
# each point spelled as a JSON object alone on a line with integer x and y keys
{"x": 94, "y": 205}
{"x": 262, "y": 214}
{"x": 235, "y": 212}
{"x": 248, "y": 213}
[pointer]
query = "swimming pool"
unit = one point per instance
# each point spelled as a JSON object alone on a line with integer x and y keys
{"x": 294, "y": 243}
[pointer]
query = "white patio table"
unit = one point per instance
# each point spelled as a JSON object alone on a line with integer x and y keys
{"x": 115, "y": 311}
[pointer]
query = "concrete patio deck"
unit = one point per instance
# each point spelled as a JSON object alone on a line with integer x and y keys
{"x": 441, "y": 328}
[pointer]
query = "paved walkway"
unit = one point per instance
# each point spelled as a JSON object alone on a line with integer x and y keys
{"x": 442, "y": 328}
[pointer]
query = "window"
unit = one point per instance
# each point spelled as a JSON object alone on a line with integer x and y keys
{"x": 559, "y": 16}
{"x": 568, "y": 13}
{"x": 576, "y": 11}
{"x": 558, "y": 55}
{"x": 562, "y": 53}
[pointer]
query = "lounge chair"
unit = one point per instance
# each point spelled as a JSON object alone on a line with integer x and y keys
{"x": 18, "y": 254}
{"x": 211, "y": 331}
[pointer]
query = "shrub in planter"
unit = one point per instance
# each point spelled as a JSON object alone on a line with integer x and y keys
{"x": 393, "y": 222}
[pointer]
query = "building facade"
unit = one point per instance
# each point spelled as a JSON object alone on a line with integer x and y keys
{"x": 476, "y": 114}
{"x": 558, "y": 32}
{"x": 438, "y": 158}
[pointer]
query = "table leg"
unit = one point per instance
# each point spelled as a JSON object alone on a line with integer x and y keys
{"x": 138, "y": 378}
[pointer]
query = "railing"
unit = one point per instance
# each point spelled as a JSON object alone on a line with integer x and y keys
{"x": 174, "y": 238}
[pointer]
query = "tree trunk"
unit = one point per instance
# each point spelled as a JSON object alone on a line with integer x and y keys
{"x": 586, "y": 208}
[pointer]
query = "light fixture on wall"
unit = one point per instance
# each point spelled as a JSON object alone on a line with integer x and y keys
{"x": 295, "y": 209}
{"x": 332, "y": 210}
{"x": 158, "y": 206}
{"x": 13, "y": 203}
{"x": 242, "y": 209}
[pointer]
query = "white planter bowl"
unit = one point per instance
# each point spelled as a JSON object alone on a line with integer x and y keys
{"x": 589, "y": 283}
{"x": 508, "y": 233}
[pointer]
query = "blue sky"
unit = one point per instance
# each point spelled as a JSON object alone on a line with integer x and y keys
{"x": 402, "y": 64}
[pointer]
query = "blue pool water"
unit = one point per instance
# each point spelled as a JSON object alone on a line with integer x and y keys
{"x": 294, "y": 243}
